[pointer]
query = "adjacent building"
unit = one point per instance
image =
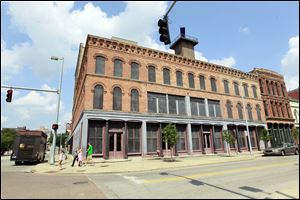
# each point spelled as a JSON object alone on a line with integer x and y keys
{"x": 125, "y": 94}
{"x": 276, "y": 105}
{"x": 294, "y": 103}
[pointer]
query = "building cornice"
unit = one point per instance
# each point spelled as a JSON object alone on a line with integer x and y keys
{"x": 117, "y": 45}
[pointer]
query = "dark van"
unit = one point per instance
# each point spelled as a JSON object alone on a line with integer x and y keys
{"x": 29, "y": 146}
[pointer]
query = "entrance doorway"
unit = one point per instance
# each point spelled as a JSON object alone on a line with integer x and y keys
{"x": 115, "y": 145}
{"x": 207, "y": 142}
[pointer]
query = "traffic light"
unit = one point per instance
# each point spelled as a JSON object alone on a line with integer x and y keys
{"x": 9, "y": 95}
{"x": 54, "y": 126}
{"x": 164, "y": 31}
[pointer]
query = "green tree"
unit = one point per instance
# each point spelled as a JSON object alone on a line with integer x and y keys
{"x": 63, "y": 136}
{"x": 295, "y": 134}
{"x": 170, "y": 136}
{"x": 229, "y": 138}
{"x": 265, "y": 136}
{"x": 7, "y": 139}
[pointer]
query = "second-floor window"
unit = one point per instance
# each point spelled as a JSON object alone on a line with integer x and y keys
{"x": 191, "y": 80}
{"x": 249, "y": 109}
{"x": 134, "y": 100}
{"x": 151, "y": 74}
{"x": 198, "y": 107}
{"x": 258, "y": 112}
{"x": 98, "y": 97}
{"x": 176, "y": 105}
{"x": 100, "y": 65}
{"x": 229, "y": 109}
{"x": 166, "y": 75}
{"x": 226, "y": 87}
{"x": 135, "y": 71}
{"x": 117, "y": 99}
{"x": 213, "y": 84}
{"x": 266, "y": 108}
{"x": 157, "y": 103}
{"x": 179, "y": 78}
{"x": 118, "y": 68}
{"x": 240, "y": 110}
{"x": 214, "y": 109}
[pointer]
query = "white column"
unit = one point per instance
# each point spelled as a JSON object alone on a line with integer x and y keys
{"x": 188, "y": 105}
{"x": 144, "y": 138}
{"x": 189, "y": 134}
{"x": 226, "y": 145}
{"x": 84, "y": 135}
{"x": 206, "y": 107}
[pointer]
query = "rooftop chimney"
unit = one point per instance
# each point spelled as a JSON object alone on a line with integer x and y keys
{"x": 184, "y": 45}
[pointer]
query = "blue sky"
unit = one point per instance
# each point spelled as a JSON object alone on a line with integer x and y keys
{"x": 242, "y": 35}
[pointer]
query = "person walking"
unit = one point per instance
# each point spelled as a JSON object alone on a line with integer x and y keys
{"x": 62, "y": 157}
{"x": 80, "y": 157}
{"x": 89, "y": 153}
{"x": 75, "y": 154}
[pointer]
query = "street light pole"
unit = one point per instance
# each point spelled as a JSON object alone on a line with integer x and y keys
{"x": 244, "y": 108}
{"x": 52, "y": 159}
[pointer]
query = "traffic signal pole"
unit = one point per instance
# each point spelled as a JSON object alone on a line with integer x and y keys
{"x": 166, "y": 15}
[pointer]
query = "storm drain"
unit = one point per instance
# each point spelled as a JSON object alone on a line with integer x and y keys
{"x": 81, "y": 182}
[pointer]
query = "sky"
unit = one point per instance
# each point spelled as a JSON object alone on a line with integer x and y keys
{"x": 242, "y": 35}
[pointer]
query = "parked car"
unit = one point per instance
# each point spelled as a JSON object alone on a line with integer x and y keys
{"x": 282, "y": 149}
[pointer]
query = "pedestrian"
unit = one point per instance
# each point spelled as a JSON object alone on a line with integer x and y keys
{"x": 80, "y": 157}
{"x": 62, "y": 157}
{"x": 75, "y": 154}
{"x": 89, "y": 153}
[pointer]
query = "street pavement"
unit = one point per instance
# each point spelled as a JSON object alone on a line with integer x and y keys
{"x": 208, "y": 177}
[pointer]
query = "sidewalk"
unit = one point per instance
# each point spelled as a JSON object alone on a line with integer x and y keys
{"x": 136, "y": 164}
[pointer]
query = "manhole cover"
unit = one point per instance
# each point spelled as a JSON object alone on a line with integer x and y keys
{"x": 81, "y": 182}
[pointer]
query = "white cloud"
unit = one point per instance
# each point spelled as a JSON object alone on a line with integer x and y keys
{"x": 50, "y": 35}
{"x": 228, "y": 62}
{"x": 244, "y": 29}
{"x": 199, "y": 56}
{"x": 290, "y": 64}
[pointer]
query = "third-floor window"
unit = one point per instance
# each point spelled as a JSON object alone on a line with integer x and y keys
{"x": 236, "y": 89}
{"x": 213, "y": 84}
{"x": 179, "y": 78}
{"x": 202, "y": 82}
{"x": 254, "y": 91}
{"x": 166, "y": 75}
{"x": 191, "y": 80}
{"x": 100, "y": 65}
{"x": 135, "y": 71}
{"x": 226, "y": 87}
{"x": 118, "y": 68}
{"x": 151, "y": 74}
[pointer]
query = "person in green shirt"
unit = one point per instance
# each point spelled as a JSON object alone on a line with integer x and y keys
{"x": 89, "y": 153}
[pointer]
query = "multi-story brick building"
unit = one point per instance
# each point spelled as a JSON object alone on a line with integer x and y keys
{"x": 294, "y": 103}
{"x": 125, "y": 94}
{"x": 276, "y": 105}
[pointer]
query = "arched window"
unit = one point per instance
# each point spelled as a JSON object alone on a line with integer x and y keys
{"x": 249, "y": 110}
{"x": 226, "y": 87}
{"x": 98, "y": 97}
{"x": 240, "y": 110}
{"x": 229, "y": 109}
{"x": 254, "y": 91}
{"x": 296, "y": 114}
{"x": 135, "y": 71}
{"x": 258, "y": 112}
{"x": 191, "y": 80}
{"x": 134, "y": 100}
{"x": 236, "y": 89}
{"x": 117, "y": 99}
{"x": 202, "y": 82}
{"x": 261, "y": 85}
{"x": 151, "y": 74}
{"x": 213, "y": 84}
{"x": 118, "y": 68}
{"x": 179, "y": 78}
{"x": 246, "y": 90}
{"x": 266, "y": 108}
{"x": 100, "y": 65}
{"x": 166, "y": 74}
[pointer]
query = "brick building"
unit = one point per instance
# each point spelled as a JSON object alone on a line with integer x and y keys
{"x": 276, "y": 105}
{"x": 294, "y": 103}
{"x": 125, "y": 94}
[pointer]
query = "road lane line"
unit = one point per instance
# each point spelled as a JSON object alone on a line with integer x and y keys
{"x": 181, "y": 177}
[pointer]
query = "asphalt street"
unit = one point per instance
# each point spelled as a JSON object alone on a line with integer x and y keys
{"x": 266, "y": 177}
